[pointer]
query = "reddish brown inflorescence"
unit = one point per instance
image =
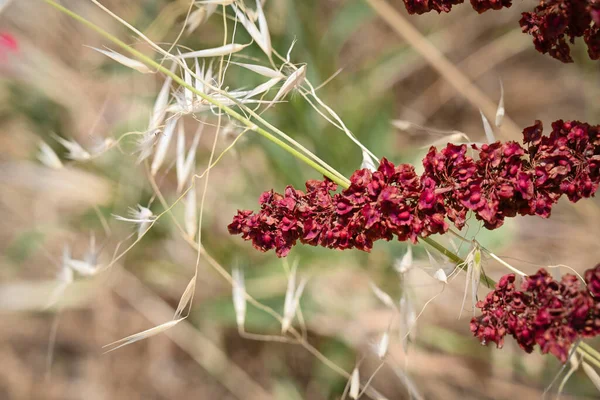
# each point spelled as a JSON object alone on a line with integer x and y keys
{"x": 553, "y": 24}
{"x": 505, "y": 180}
{"x": 556, "y": 23}
{"x": 545, "y": 312}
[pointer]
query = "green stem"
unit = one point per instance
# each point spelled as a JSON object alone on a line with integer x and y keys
{"x": 588, "y": 357}
{"x": 490, "y": 283}
{"x": 232, "y": 113}
{"x": 319, "y": 165}
{"x": 590, "y": 350}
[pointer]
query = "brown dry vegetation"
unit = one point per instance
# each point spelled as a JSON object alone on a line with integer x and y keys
{"x": 55, "y": 84}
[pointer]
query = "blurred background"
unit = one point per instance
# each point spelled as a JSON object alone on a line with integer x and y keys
{"x": 51, "y": 85}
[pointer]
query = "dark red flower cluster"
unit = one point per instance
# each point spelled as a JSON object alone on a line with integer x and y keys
{"x": 545, "y": 312}
{"x": 424, "y": 6}
{"x": 504, "y": 181}
{"x": 554, "y": 23}
{"x": 377, "y": 205}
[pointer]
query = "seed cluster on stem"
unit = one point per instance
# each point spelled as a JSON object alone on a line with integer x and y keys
{"x": 545, "y": 312}
{"x": 505, "y": 180}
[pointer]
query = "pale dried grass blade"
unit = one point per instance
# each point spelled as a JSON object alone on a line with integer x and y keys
{"x": 408, "y": 319}
{"x": 185, "y": 163}
{"x": 160, "y": 105}
{"x": 76, "y": 152}
{"x": 468, "y": 279}
{"x": 382, "y": 347}
{"x": 263, "y": 28}
{"x": 188, "y": 94}
{"x": 142, "y": 216}
{"x": 489, "y": 132}
{"x": 441, "y": 276}
{"x": 48, "y": 157}
{"x": 475, "y": 277}
{"x": 382, "y": 296}
{"x": 239, "y": 297}
{"x": 402, "y": 124}
{"x": 500, "y": 111}
{"x": 191, "y": 215}
{"x": 288, "y": 304}
{"x": 439, "y": 273}
{"x": 592, "y": 374}
{"x": 252, "y": 30}
{"x": 294, "y": 80}
{"x": 403, "y": 265}
{"x": 216, "y": 51}
{"x": 126, "y": 61}
{"x": 186, "y": 299}
{"x": 354, "y": 384}
{"x": 262, "y": 88}
{"x": 141, "y": 335}
{"x": 163, "y": 145}
{"x": 261, "y": 70}
{"x": 83, "y": 268}
{"x": 196, "y": 18}
{"x": 367, "y": 162}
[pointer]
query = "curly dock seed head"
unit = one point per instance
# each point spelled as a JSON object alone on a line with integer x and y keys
{"x": 544, "y": 312}
{"x": 506, "y": 180}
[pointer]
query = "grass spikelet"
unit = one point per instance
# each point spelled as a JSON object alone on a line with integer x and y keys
{"x": 441, "y": 276}
{"x": 253, "y": 31}
{"x": 76, "y": 152}
{"x": 125, "y": 61}
{"x": 191, "y": 215}
{"x": 160, "y": 105}
{"x": 184, "y": 163}
{"x": 292, "y": 297}
{"x": 382, "y": 347}
{"x": 48, "y": 157}
{"x": 438, "y": 271}
{"x": 293, "y": 81}
{"x": 225, "y": 50}
{"x": 473, "y": 277}
{"x": 354, "y": 384}
{"x": 264, "y": 87}
{"x": 261, "y": 70}
{"x": 141, "y": 335}
{"x": 239, "y": 297}
{"x": 163, "y": 145}
{"x": 367, "y": 162}
{"x": 382, "y": 296}
{"x": 196, "y": 18}
{"x": 186, "y": 299}
{"x": 500, "y": 111}
{"x": 489, "y": 133}
{"x": 408, "y": 319}
{"x": 142, "y": 216}
{"x": 405, "y": 263}
{"x": 263, "y": 28}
